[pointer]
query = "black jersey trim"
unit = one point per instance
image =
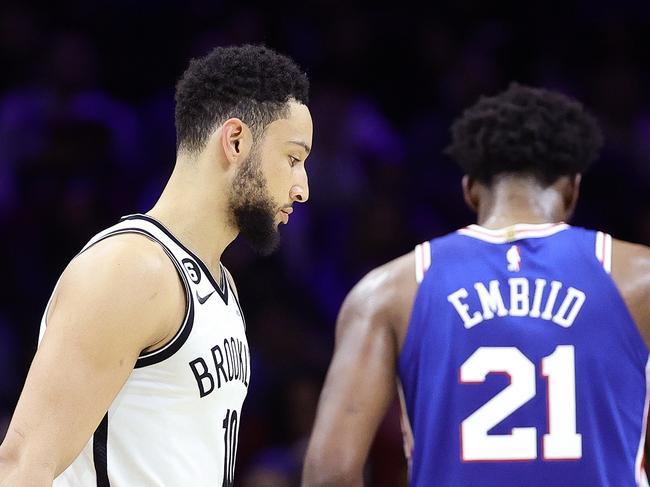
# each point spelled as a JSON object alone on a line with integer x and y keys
{"x": 222, "y": 290}
{"x": 179, "y": 339}
{"x": 100, "y": 453}
{"x": 234, "y": 295}
{"x": 170, "y": 348}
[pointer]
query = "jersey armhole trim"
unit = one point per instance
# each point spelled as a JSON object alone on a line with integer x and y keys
{"x": 422, "y": 260}
{"x": 407, "y": 430}
{"x": 604, "y": 250}
{"x": 47, "y": 311}
{"x": 230, "y": 283}
{"x": 222, "y": 290}
{"x": 100, "y": 450}
{"x": 180, "y": 337}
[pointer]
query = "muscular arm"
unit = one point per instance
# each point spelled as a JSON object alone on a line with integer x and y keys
{"x": 631, "y": 272}
{"x": 360, "y": 383}
{"x": 116, "y": 299}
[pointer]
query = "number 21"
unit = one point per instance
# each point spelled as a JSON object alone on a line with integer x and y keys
{"x": 562, "y": 442}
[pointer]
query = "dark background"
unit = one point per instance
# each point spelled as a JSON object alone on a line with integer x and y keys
{"x": 87, "y": 135}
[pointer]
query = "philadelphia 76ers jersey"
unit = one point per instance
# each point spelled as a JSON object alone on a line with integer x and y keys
{"x": 522, "y": 365}
{"x": 176, "y": 420}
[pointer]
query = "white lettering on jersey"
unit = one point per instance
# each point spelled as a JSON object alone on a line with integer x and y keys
{"x": 519, "y": 304}
{"x": 491, "y": 300}
{"x": 540, "y": 284}
{"x": 570, "y": 307}
{"x": 462, "y": 308}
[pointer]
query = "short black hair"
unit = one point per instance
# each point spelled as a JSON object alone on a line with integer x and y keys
{"x": 252, "y": 83}
{"x": 527, "y": 131}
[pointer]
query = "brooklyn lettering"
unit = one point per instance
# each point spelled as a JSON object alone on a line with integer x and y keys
{"x": 228, "y": 361}
{"x": 551, "y": 302}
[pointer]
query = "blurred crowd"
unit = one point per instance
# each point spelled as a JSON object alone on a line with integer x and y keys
{"x": 87, "y": 135}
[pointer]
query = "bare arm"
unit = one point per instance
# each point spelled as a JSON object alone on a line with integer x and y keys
{"x": 631, "y": 272}
{"x": 360, "y": 383}
{"x": 113, "y": 301}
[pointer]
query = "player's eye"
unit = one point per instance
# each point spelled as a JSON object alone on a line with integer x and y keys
{"x": 293, "y": 161}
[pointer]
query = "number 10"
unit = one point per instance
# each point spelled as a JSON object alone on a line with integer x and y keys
{"x": 231, "y": 429}
{"x": 562, "y": 442}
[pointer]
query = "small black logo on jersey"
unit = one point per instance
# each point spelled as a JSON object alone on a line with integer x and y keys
{"x": 203, "y": 299}
{"x": 192, "y": 270}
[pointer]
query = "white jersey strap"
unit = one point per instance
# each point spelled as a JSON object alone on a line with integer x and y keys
{"x": 604, "y": 250}
{"x": 422, "y": 260}
{"x": 407, "y": 430}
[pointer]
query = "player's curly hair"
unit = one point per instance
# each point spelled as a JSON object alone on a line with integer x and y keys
{"x": 527, "y": 131}
{"x": 252, "y": 83}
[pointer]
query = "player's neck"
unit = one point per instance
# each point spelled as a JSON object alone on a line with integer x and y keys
{"x": 511, "y": 201}
{"x": 195, "y": 211}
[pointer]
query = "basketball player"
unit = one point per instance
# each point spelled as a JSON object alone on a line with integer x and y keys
{"x": 520, "y": 343}
{"x": 143, "y": 362}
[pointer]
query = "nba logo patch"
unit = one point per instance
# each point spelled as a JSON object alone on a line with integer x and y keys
{"x": 514, "y": 259}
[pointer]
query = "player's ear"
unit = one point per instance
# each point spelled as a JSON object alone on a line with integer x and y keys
{"x": 571, "y": 193}
{"x": 471, "y": 193}
{"x": 236, "y": 140}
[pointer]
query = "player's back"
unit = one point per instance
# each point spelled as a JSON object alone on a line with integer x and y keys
{"x": 521, "y": 364}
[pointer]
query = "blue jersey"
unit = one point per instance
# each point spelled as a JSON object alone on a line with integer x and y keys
{"x": 522, "y": 365}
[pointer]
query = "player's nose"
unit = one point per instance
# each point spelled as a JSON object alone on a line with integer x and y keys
{"x": 300, "y": 190}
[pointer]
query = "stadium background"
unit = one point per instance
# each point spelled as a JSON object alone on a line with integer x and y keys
{"x": 87, "y": 135}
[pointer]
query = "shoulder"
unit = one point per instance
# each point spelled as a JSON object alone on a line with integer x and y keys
{"x": 382, "y": 284}
{"x": 126, "y": 246}
{"x": 635, "y": 253}
{"x": 382, "y": 298}
{"x": 117, "y": 282}
{"x": 631, "y": 272}
{"x": 630, "y": 263}
{"x": 122, "y": 263}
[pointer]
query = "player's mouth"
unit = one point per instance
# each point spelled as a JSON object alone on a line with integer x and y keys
{"x": 285, "y": 212}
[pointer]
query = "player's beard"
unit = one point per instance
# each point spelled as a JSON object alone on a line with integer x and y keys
{"x": 252, "y": 209}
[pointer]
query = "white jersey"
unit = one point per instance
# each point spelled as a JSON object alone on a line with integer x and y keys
{"x": 176, "y": 420}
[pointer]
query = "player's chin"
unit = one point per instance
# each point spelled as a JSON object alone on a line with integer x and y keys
{"x": 269, "y": 245}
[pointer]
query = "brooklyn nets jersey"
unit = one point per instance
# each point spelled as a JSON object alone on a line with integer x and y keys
{"x": 522, "y": 365}
{"x": 176, "y": 420}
